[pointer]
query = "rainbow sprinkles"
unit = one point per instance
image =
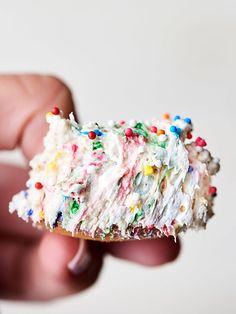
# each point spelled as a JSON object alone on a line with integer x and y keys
{"x": 121, "y": 181}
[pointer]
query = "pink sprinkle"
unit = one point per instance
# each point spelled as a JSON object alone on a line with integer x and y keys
{"x": 153, "y": 129}
{"x": 200, "y": 142}
{"x": 128, "y": 132}
{"x": 122, "y": 122}
{"x": 212, "y": 190}
{"x": 74, "y": 148}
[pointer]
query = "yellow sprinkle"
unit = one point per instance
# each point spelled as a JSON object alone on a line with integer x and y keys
{"x": 148, "y": 170}
{"x": 41, "y": 215}
{"x": 139, "y": 205}
{"x": 58, "y": 155}
{"x": 52, "y": 166}
{"x": 182, "y": 209}
{"x": 132, "y": 208}
{"x": 48, "y": 114}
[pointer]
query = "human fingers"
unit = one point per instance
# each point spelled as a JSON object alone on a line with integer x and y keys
{"x": 146, "y": 252}
{"x": 50, "y": 268}
{"x": 24, "y": 100}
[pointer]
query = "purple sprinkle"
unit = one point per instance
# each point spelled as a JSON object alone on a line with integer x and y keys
{"x": 30, "y": 212}
{"x": 59, "y": 218}
{"x": 190, "y": 168}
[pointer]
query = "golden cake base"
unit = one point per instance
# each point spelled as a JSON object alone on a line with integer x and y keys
{"x": 84, "y": 235}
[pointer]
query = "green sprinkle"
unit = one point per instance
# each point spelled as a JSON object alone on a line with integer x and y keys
{"x": 141, "y": 132}
{"x": 139, "y": 125}
{"x": 165, "y": 172}
{"x": 75, "y": 207}
{"x": 138, "y": 179}
{"x": 97, "y": 145}
{"x": 153, "y": 141}
{"x": 140, "y": 213}
{"x": 151, "y": 203}
{"x": 141, "y": 129}
{"x": 168, "y": 172}
{"x": 162, "y": 144}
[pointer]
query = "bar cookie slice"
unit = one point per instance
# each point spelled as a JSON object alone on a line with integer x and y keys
{"x": 119, "y": 182}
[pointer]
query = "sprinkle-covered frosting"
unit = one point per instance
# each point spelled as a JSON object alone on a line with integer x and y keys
{"x": 122, "y": 181}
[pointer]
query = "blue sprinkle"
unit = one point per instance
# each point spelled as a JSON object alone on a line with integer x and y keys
{"x": 30, "y": 212}
{"x": 178, "y": 131}
{"x": 25, "y": 194}
{"x": 188, "y": 120}
{"x": 190, "y": 168}
{"x": 65, "y": 197}
{"x": 98, "y": 132}
{"x": 173, "y": 129}
{"x": 176, "y": 118}
{"x": 84, "y": 132}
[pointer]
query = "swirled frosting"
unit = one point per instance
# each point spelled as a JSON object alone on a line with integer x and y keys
{"x": 125, "y": 180}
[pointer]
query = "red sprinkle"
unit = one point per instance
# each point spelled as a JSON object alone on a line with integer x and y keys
{"x": 122, "y": 122}
{"x": 153, "y": 129}
{"x": 74, "y": 148}
{"x": 200, "y": 142}
{"x": 55, "y": 110}
{"x": 92, "y": 135}
{"x": 212, "y": 190}
{"x": 38, "y": 185}
{"x": 189, "y": 135}
{"x": 128, "y": 132}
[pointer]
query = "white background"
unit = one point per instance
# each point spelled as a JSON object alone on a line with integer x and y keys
{"x": 126, "y": 59}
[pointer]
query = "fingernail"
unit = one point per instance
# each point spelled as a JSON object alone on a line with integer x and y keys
{"x": 81, "y": 260}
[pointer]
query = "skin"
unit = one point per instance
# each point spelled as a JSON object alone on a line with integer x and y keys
{"x": 33, "y": 263}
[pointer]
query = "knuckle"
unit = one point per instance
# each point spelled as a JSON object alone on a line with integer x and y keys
{"x": 57, "y": 83}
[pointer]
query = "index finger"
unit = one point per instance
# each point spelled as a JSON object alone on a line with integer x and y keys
{"x": 24, "y": 99}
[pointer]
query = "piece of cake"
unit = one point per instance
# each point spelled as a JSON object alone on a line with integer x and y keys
{"x": 118, "y": 182}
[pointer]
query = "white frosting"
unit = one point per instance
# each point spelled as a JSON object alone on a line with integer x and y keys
{"x": 143, "y": 180}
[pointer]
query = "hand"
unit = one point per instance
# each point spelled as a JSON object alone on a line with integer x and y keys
{"x": 39, "y": 265}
